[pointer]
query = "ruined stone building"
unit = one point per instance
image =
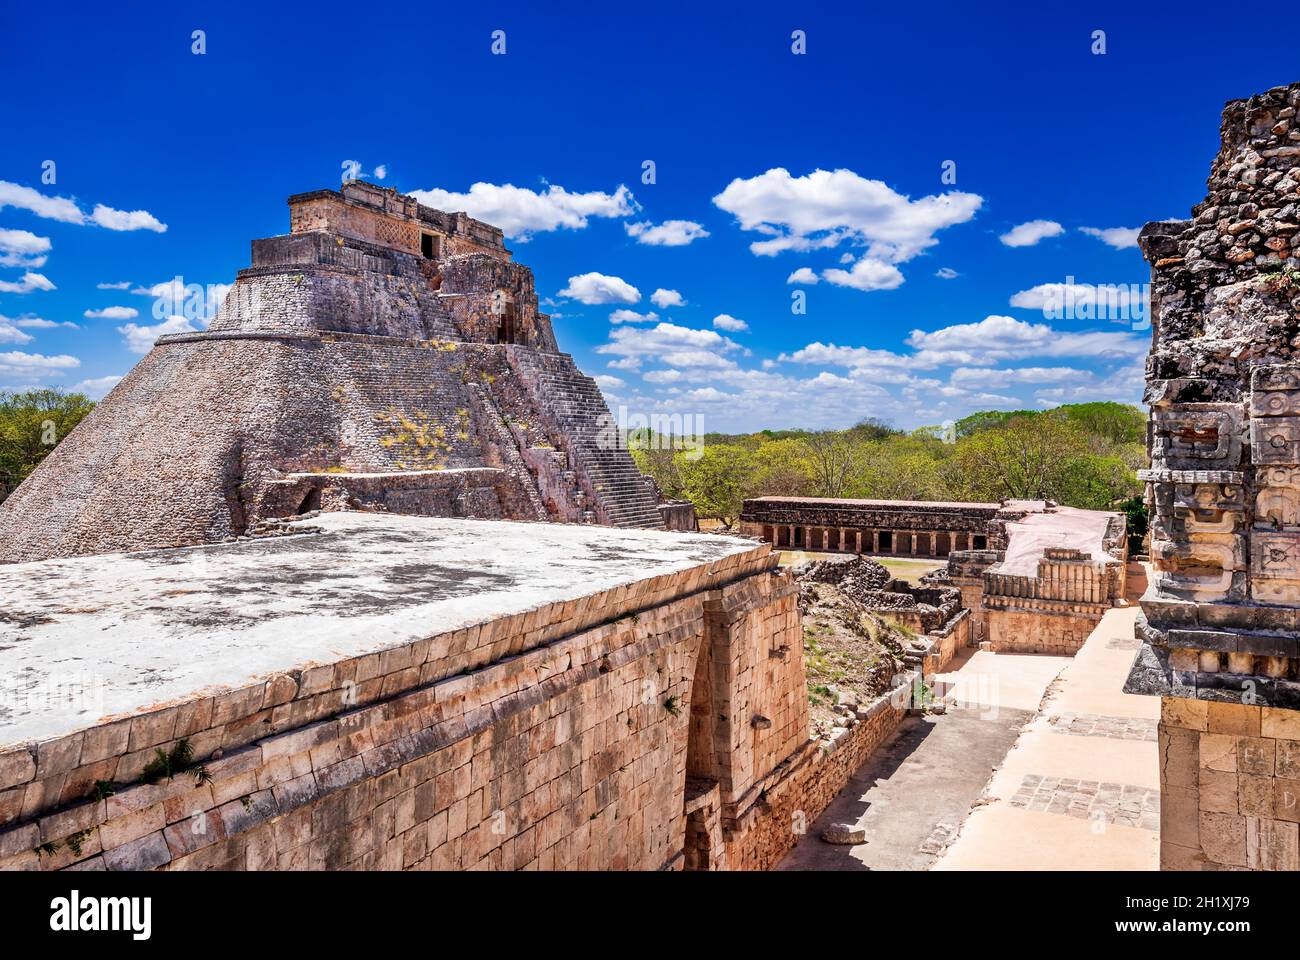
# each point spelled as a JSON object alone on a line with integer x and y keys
{"x": 1219, "y": 623}
{"x": 1036, "y": 576}
{"x": 907, "y": 528}
{"x": 382, "y": 355}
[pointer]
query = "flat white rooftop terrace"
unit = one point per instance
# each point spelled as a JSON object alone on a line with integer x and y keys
{"x": 141, "y": 629}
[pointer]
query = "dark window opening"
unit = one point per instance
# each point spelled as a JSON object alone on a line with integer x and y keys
{"x": 428, "y": 248}
{"x": 886, "y": 540}
{"x": 981, "y": 541}
{"x": 798, "y": 536}
{"x": 310, "y": 502}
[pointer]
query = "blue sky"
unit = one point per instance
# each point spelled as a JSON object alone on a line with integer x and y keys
{"x": 826, "y": 165}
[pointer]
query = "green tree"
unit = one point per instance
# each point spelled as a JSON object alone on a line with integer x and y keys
{"x": 32, "y": 423}
{"x": 718, "y": 481}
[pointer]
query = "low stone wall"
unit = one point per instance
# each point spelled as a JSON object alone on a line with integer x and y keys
{"x": 809, "y": 781}
{"x": 1229, "y": 786}
{"x": 1020, "y": 625}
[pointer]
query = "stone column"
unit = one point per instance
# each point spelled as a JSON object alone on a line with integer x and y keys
{"x": 1229, "y": 747}
{"x": 934, "y": 544}
{"x": 875, "y": 541}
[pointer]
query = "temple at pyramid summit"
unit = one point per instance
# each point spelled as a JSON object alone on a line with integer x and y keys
{"x": 381, "y": 356}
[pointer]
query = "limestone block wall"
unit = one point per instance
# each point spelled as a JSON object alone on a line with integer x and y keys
{"x": 1017, "y": 625}
{"x": 1230, "y": 786}
{"x": 560, "y": 738}
{"x": 803, "y": 787}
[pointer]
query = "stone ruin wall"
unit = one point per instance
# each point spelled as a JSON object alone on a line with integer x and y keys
{"x": 1219, "y": 621}
{"x": 1056, "y": 610}
{"x": 914, "y": 529}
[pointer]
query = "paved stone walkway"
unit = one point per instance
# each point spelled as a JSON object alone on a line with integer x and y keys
{"x": 1041, "y": 763}
{"x": 914, "y": 792}
{"x": 1080, "y": 790}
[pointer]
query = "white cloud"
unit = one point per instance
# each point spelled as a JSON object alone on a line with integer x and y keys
{"x": 140, "y": 339}
{"x": 986, "y": 378}
{"x": 112, "y": 219}
{"x": 66, "y": 210}
{"x": 1030, "y": 233}
{"x": 50, "y": 208}
{"x": 867, "y": 274}
{"x": 668, "y": 343}
{"x": 29, "y": 282}
{"x": 9, "y": 332}
{"x": 121, "y": 285}
{"x": 725, "y": 321}
{"x": 803, "y": 275}
{"x": 521, "y": 212}
{"x": 670, "y": 233}
{"x": 663, "y": 299}
{"x": 707, "y": 395}
{"x": 97, "y": 387}
{"x": 947, "y": 273}
{"x": 623, "y": 315}
{"x": 17, "y": 362}
{"x": 1120, "y": 302}
{"x": 20, "y": 248}
{"x": 112, "y": 313}
{"x": 1118, "y": 237}
{"x": 27, "y": 321}
{"x": 1000, "y": 338}
{"x": 606, "y": 382}
{"x": 825, "y": 208}
{"x": 598, "y": 288}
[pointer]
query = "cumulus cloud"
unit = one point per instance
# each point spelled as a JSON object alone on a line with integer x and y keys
{"x": 521, "y": 212}
{"x": 725, "y": 321}
{"x": 66, "y": 210}
{"x": 1119, "y": 302}
{"x": 97, "y": 387}
{"x": 623, "y": 315}
{"x": 992, "y": 378}
{"x": 803, "y": 275}
{"x": 1118, "y": 237}
{"x": 29, "y": 364}
{"x": 140, "y": 339}
{"x": 11, "y": 328}
{"x": 867, "y": 274}
{"x": 33, "y": 201}
{"x": 112, "y": 313}
{"x": 1030, "y": 233}
{"x": 21, "y": 248}
{"x": 670, "y": 233}
{"x": 606, "y": 382}
{"x": 9, "y": 332}
{"x": 598, "y": 288}
{"x": 1000, "y": 338}
{"x": 663, "y": 299}
{"x": 29, "y": 282}
{"x": 669, "y": 343}
{"x": 112, "y": 219}
{"x": 827, "y": 207}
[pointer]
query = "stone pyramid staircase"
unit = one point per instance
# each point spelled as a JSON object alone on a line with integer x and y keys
{"x": 561, "y": 391}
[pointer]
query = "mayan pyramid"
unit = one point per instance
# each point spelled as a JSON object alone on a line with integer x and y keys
{"x": 382, "y": 355}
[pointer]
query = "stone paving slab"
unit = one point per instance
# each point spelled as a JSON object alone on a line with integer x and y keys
{"x": 1068, "y": 802}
